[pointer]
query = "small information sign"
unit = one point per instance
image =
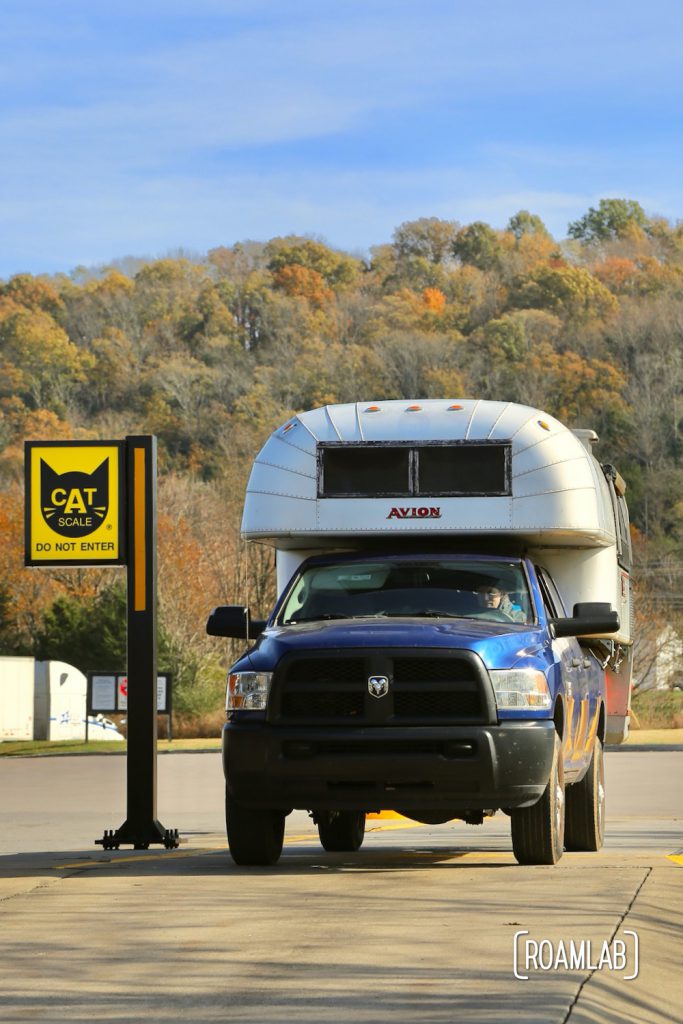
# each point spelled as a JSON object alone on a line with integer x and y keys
{"x": 103, "y": 694}
{"x": 108, "y": 693}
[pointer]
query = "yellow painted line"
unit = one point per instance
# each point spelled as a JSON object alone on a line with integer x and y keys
{"x": 677, "y": 858}
{"x": 140, "y": 585}
{"x": 392, "y": 818}
{"x": 136, "y": 857}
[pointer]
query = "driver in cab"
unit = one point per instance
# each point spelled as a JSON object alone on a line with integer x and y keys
{"x": 496, "y": 604}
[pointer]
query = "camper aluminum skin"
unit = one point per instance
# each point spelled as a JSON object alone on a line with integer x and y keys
{"x": 420, "y": 656}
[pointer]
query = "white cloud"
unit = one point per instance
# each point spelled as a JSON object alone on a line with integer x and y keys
{"x": 177, "y": 123}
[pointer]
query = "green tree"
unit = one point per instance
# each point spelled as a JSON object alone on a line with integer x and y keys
{"x": 525, "y": 223}
{"x": 479, "y": 246}
{"x": 88, "y": 634}
{"x": 613, "y": 218}
{"x": 572, "y": 293}
{"x": 167, "y": 290}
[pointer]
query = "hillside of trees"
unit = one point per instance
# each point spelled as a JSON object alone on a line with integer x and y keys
{"x": 212, "y": 353}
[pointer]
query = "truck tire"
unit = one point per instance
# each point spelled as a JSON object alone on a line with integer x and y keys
{"x": 255, "y": 837}
{"x": 341, "y": 831}
{"x": 585, "y": 821}
{"x": 538, "y": 831}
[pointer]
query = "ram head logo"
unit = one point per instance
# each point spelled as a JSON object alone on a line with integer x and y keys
{"x": 378, "y": 686}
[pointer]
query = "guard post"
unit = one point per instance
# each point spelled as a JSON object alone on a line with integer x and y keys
{"x": 94, "y": 503}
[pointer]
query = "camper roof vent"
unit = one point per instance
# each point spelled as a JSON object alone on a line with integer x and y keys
{"x": 587, "y": 438}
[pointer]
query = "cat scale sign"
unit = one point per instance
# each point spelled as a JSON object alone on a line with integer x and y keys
{"x": 74, "y": 503}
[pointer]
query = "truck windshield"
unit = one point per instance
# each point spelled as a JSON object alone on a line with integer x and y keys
{"x": 493, "y": 589}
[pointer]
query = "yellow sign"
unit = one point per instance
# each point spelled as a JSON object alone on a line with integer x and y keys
{"x": 74, "y": 503}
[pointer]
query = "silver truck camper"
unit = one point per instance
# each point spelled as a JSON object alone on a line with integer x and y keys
{"x": 453, "y": 472}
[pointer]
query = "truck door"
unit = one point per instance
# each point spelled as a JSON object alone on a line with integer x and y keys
{"x": 576, "y": 676}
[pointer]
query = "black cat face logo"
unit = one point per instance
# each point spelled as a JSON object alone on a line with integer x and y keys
{"x": 74, "y": 504}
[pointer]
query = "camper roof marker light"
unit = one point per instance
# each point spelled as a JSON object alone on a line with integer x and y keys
{"x": 542, "y": 423}
{"x": 414, "y": 408}
{"x": 373, "y": 408}
{"x": 454, "y": 408}
{"x": 288, "y": 427}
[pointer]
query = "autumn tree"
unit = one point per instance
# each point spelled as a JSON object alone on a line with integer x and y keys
{"x": 571, "y": 293}
{"x": 576, "y": 390}
{"x": 302, "y": 282}
{"x": 102, "y": 305}
{"x": 336, "y": 268}
{"x": 428, "y": 238}
{"x": 619, "y": 274}
{"x": 37, "y": 357}
{"x": 35, "y": 294}
{"x": 420, "y": 365}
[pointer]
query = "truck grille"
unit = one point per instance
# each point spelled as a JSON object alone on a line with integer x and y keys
{"x": 332, "y": 689}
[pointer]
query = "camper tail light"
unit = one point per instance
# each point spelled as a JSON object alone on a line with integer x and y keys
{"x": 521, "y": 688}
{"x": 248, "y": 691}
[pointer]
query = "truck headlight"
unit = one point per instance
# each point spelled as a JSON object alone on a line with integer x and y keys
{"x": 520, "y": 688}
{"x": 248, "y": 691}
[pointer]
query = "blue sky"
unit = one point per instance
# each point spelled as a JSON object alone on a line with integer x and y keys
{"x": 138, "y": 128}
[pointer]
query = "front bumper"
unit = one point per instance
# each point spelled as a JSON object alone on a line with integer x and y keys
{"x": 436, "y": 768}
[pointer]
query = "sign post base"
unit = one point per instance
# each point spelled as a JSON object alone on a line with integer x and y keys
{"x": 140, "y": 838}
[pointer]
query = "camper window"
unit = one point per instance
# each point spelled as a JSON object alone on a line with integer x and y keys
{"x": 406, "y": 469}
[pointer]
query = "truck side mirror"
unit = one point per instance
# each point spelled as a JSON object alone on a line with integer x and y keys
{"x": 234, "y": 620}
{"x": 589, "y": 618}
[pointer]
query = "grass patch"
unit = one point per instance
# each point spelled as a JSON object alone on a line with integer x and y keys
{"x": 46, "y": 748}
{"x": 658, "y": 709}
{"x": 654, "y": 737}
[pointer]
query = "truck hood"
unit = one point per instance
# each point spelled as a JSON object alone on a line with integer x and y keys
{"x": 498, "y": 644}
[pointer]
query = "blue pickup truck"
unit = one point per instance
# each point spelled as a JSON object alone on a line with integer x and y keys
{"x": 426, "y": 670}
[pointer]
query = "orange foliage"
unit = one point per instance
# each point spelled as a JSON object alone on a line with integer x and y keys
{"x": 304, "y": 283}
{"x": 434, "y": 299}
{"x": 618, "y": 273}
{"x": 573, "y": 387}
{"x": 30, "y": 591}
{"x": 34, "y": 293}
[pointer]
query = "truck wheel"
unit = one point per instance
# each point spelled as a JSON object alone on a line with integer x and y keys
{"x": 585, "y": 824}
{"x": 538, "y": 831}
{"x": 254, "y": 836}
{"x": 341, "y": 831}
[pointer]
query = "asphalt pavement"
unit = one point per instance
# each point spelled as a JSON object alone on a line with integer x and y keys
{"x": 425, "y": 923}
